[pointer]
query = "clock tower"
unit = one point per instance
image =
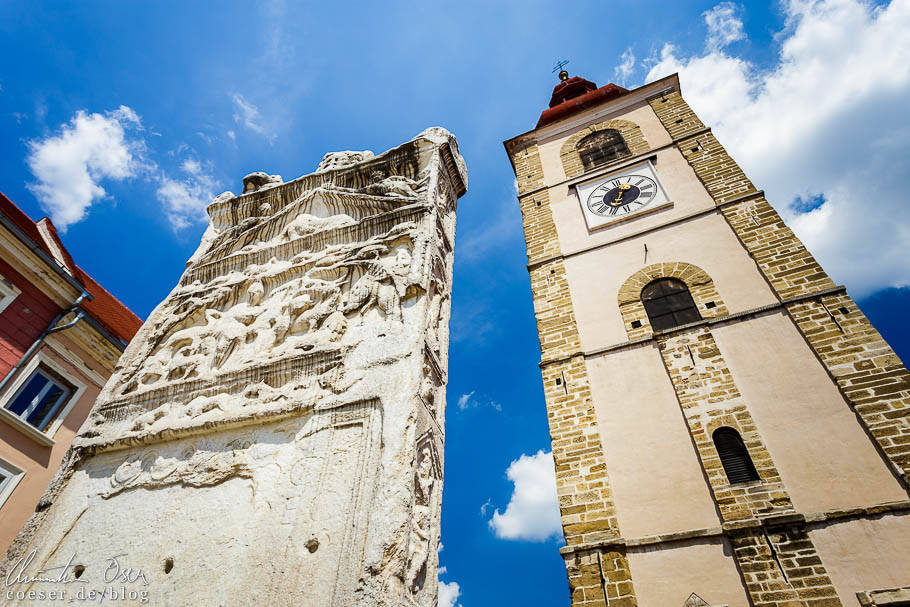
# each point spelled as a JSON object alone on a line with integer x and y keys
{"x": 727, "y": 426}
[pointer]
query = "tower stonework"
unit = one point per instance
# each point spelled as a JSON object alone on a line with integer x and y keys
{"x": 274, "y": 433}
{"x": 727, "y": 426}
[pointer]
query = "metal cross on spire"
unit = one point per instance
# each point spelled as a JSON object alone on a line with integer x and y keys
{"x": 563, "y": 74}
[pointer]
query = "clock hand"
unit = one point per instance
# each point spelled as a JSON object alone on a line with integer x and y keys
{"x": 618, "y": 201}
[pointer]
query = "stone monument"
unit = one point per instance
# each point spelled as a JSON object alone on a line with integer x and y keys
{"x": 274, "y": 433}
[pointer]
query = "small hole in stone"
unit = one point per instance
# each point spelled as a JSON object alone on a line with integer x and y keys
{"x": 312, "y": 545}
{"x": 664, "y": 100}
{"x": 710, "y": 304}
{"x": 558, "y": 381}
{"x": 78, "y": 570}
{"x": 844, "y": 310}
{"x": 695, "y": 149}
{"x": 679, "y": 121}
{"x": 168, "y": 565}
{"x": 538, "y": 204}
{"x": 636, "y": 324}
{"x": 552, "y": 271}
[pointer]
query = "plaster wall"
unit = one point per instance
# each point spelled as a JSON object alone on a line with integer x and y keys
{"x": 40, "y": 462}
{"x": 824, "y": 457}
{"x": 666, "y": 577}
{"x": 708, "y": 242}
{"x": 657, "y": 481}
{"x": 865, "y": 554}
{"x": 683, "y": 189}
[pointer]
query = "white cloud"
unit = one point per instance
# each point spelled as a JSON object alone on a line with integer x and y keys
{"x": 626, "y": 66}
{"x": 231, "y": 135}
{"x": 533, "y": 511}
{"x": 448, "y": 594}
{"x": 468, "y": 401}
{"x": 724, "y": 26}
{"x": 70, "y": 166}
{"x": 246, "y": 114}
{"x": 185, "y": 200}
{"x": 486, "y": 505}
{"x": 826, "y": 121}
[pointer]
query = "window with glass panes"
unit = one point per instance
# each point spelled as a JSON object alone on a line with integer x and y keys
{"x": 40, "y": 399}
{"x": 601, "y": 148}
{"x": 669, "y": 304}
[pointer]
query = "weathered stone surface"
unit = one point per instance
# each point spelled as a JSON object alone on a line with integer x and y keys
{"x": 259, "y": 180}
{"x": 274, "y": 433}
{"x": 340, "y": 160}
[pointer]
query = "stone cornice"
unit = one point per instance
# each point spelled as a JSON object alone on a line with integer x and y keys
{"x": 836, "y": 515}
{"x": 705, "y": 321}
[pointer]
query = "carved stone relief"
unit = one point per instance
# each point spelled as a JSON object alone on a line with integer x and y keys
{"x": 285, "y": 398}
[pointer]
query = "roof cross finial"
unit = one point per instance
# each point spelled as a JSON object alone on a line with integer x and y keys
{"x": 563, "y": 74}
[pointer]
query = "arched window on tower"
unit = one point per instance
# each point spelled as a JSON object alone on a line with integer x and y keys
{"x": 734, "y": 456}
{"x": 602, "y": 147}
{"x": 669, "y": 304}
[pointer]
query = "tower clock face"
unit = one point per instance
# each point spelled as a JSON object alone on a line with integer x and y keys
{"x": 629, "y": 192}
{"x": 622, "y": 195}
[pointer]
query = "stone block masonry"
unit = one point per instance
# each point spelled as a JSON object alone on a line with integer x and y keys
{"x": 709, "y": 399}
{"x": 582, "y": 480}
{"x": 868, "y": 372}
{"x": 274, "y": 433}
{"x": 781, "y": 568}
{"x": 866, "y": 369}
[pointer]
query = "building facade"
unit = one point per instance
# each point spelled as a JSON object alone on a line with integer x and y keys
{"x": 61, "y": 335}
{"x": 727, "y": 426}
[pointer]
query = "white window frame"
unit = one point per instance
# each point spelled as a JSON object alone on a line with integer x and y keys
{"x": 8, "y": 293}
{"x": 45, "y": 438}
{"x": 12, "y": 475}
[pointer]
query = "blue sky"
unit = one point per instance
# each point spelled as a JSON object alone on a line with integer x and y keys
{"x": 123, "y": 119}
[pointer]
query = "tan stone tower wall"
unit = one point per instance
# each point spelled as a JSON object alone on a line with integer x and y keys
{"x": 782, "y": 355}
{"x": 274, "y": 433}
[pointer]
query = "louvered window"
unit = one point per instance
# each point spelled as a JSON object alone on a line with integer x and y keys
{"x": 669, "y": 304}
{"x": 602, "y": 147}
{"x": 734, "y": 456}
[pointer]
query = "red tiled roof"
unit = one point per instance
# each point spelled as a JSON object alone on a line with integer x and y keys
{"x": 107, "y": 309}
{"x": 115, "y": 317}
{"x": 22, "y": 221}
{"x": 574, "y": 95}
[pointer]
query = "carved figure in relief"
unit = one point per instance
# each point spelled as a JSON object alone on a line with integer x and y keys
{"x": 421, "y": 532}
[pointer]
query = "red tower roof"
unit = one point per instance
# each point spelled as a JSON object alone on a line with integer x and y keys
{"x": 574, "y": 95}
